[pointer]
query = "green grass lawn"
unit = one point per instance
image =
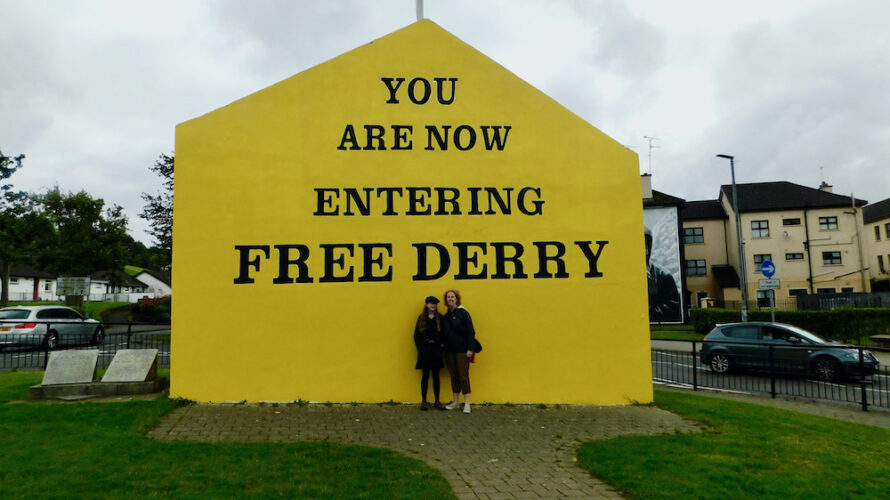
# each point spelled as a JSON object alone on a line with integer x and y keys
{"x": 94, "y": 449}
{"x": 752, "y": 452}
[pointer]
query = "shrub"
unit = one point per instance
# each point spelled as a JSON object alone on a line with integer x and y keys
{"x": 153, "y": 310}
{"x": 841, "y": 324}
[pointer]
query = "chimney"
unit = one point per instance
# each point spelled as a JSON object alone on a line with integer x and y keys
{"x": 646, "y": 181}
{"x": 825, "y": 187}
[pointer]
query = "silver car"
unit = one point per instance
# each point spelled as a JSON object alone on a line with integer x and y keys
{"x": 47, "y": 326}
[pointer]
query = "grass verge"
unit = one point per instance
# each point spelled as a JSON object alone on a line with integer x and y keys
{"x": 100, "y": 450}
{"x": 674, "y": 332}
{"x": 753, "y": 452}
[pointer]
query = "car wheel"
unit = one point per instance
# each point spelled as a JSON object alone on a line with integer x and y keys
{"x": 52, "y": 340}
{"x": 826, "y": 369}
{"x": 721, "y": 362}
{"x": 99, "y": 336}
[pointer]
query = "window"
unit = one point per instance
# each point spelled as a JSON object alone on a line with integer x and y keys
{"x": 887, "y": 229}
{"x": 13, "y": 281}
{"x": 825, "y": 290}
{"x": 881, "y": 264}
{"x": 693, "y": 235}
{"x": 828, "y": 223}
{"x": 877, "y": 233}
{"x": 696, "y": 268}
{"x": 47, "y": 286}
{"x": 760, "y": 258}
{"x": 763, "y": 298}
{"x": 797, "y": 292}
{"x": 790, "y": 222}
{"x": 793, "y": 256}
{"x": 742, "y": 332}
{"x": 848, "y": 289}
{"x": 831, "y": 258}
{"x": 760, "y": 229}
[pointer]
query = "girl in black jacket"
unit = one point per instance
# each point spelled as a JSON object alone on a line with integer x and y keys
{"x": 428, "y": 339}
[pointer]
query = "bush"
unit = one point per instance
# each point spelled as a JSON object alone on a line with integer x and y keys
{"x": 841, "y": 324}
{"x": 153, "y": 310}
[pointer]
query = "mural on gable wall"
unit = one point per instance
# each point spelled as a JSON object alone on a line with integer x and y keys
{"x": 663, "y": 268}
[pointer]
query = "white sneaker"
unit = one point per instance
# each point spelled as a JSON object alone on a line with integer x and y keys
{"x": 467, "y": 408}
{"x": 451, "y": 406}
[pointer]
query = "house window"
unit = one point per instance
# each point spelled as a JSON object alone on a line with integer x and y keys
{"x": 877, "y": 233}
{"x": 47, "y": 286}
{"x": 881, "y": 264}
{"x": 848, "y": 289}
{"x": 831, "y": 258}
{"x": 825, "y": 290}
{"x": 793, "y": 256}
{"x": 693, "y": 235}
{"x": 760, "y": 258}
{"x": 828, "y": 223}
{"x": 696, "y": 268}
{"x": 13, "y": 281}
{"x": 790, "y": 222}
{"x": 797, "y": 292}
{"x": 760, "y": 229}
{"x": 763, "y": 298}
{"x": 887, "y": 229}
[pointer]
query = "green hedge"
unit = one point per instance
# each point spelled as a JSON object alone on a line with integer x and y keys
{"x": 842, "y": 324}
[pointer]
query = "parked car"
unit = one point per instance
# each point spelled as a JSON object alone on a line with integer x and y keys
{"x": 794, "y": 351}
{"x": 47, "y": 326}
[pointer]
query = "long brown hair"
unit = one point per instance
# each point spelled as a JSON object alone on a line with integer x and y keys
{"x": 424, "y": 316}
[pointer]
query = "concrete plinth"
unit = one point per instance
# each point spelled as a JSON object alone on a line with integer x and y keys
{"x": 96, "y": 389}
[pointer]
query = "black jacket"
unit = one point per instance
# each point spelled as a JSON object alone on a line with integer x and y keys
{"x": 429, "y": 344}
{"x": 459, "y": 332}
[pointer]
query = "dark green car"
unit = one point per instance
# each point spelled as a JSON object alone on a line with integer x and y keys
{"x": 781, "y": 348}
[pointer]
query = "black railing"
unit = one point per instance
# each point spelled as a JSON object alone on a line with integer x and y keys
{"x": 776, "y": 369}
{"x": 30, "y": 350}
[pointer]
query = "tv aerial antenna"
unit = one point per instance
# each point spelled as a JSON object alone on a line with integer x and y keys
{"x": 650, "y": 139}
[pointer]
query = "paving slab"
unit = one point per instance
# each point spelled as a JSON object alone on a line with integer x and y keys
{"x": 497, "y": 451}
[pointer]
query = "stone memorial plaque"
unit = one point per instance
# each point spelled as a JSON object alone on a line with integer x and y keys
{"x": 71, "y": 367}
{"x": 133, "y": 365}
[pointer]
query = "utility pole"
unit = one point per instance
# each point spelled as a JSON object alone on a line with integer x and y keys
{"x": 419, "y": 4}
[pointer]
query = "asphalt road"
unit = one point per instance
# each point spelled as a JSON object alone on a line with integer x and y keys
{"x": 675, "y": 367}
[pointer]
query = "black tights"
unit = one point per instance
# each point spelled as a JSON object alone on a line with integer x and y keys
{"x": 424, "y": 379}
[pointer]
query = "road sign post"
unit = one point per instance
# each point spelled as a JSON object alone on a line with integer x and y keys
{"x": 768, "y": 269}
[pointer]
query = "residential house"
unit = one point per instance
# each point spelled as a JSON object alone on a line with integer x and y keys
{"x": 156, "y": 282}
{"x": 876, "y": 240}
{"x": 811, "y": 235}
{"x": 29, "y": 284}
{"x": 116, "y": 285}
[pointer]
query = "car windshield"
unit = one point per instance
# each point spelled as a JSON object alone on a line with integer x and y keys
{"x": 807, "y": 336}
{"x": 14, "y": 313}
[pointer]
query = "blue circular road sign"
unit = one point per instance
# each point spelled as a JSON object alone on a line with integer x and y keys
{"x": 767, "y": 268}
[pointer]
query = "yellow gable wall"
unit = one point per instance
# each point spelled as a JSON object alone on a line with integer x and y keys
{"x": 249, "y": 174}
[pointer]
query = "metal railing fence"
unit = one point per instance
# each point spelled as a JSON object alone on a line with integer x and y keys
{"x": 785, "y": 370}
{"x": 31, "y": 350}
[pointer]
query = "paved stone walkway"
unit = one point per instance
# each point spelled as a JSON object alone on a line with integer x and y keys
{"x": 495, "y": 452}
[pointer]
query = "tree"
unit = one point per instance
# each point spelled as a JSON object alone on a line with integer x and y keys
{"x": 88, "y": 236}
{"x": 23, "y": 230}
{"x": 158, "y": 209}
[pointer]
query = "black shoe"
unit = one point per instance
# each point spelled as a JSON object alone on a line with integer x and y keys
{"x": 424, "y": 406}
{"x": 439, "y": 406}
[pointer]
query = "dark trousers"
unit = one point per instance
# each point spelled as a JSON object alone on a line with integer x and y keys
{"x": 459, "y": 367}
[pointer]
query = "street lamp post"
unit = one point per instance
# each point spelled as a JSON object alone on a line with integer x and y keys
{"x": 743, "y": 279}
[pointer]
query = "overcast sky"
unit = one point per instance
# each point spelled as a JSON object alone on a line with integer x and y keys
{"x": 796, "y": 90}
